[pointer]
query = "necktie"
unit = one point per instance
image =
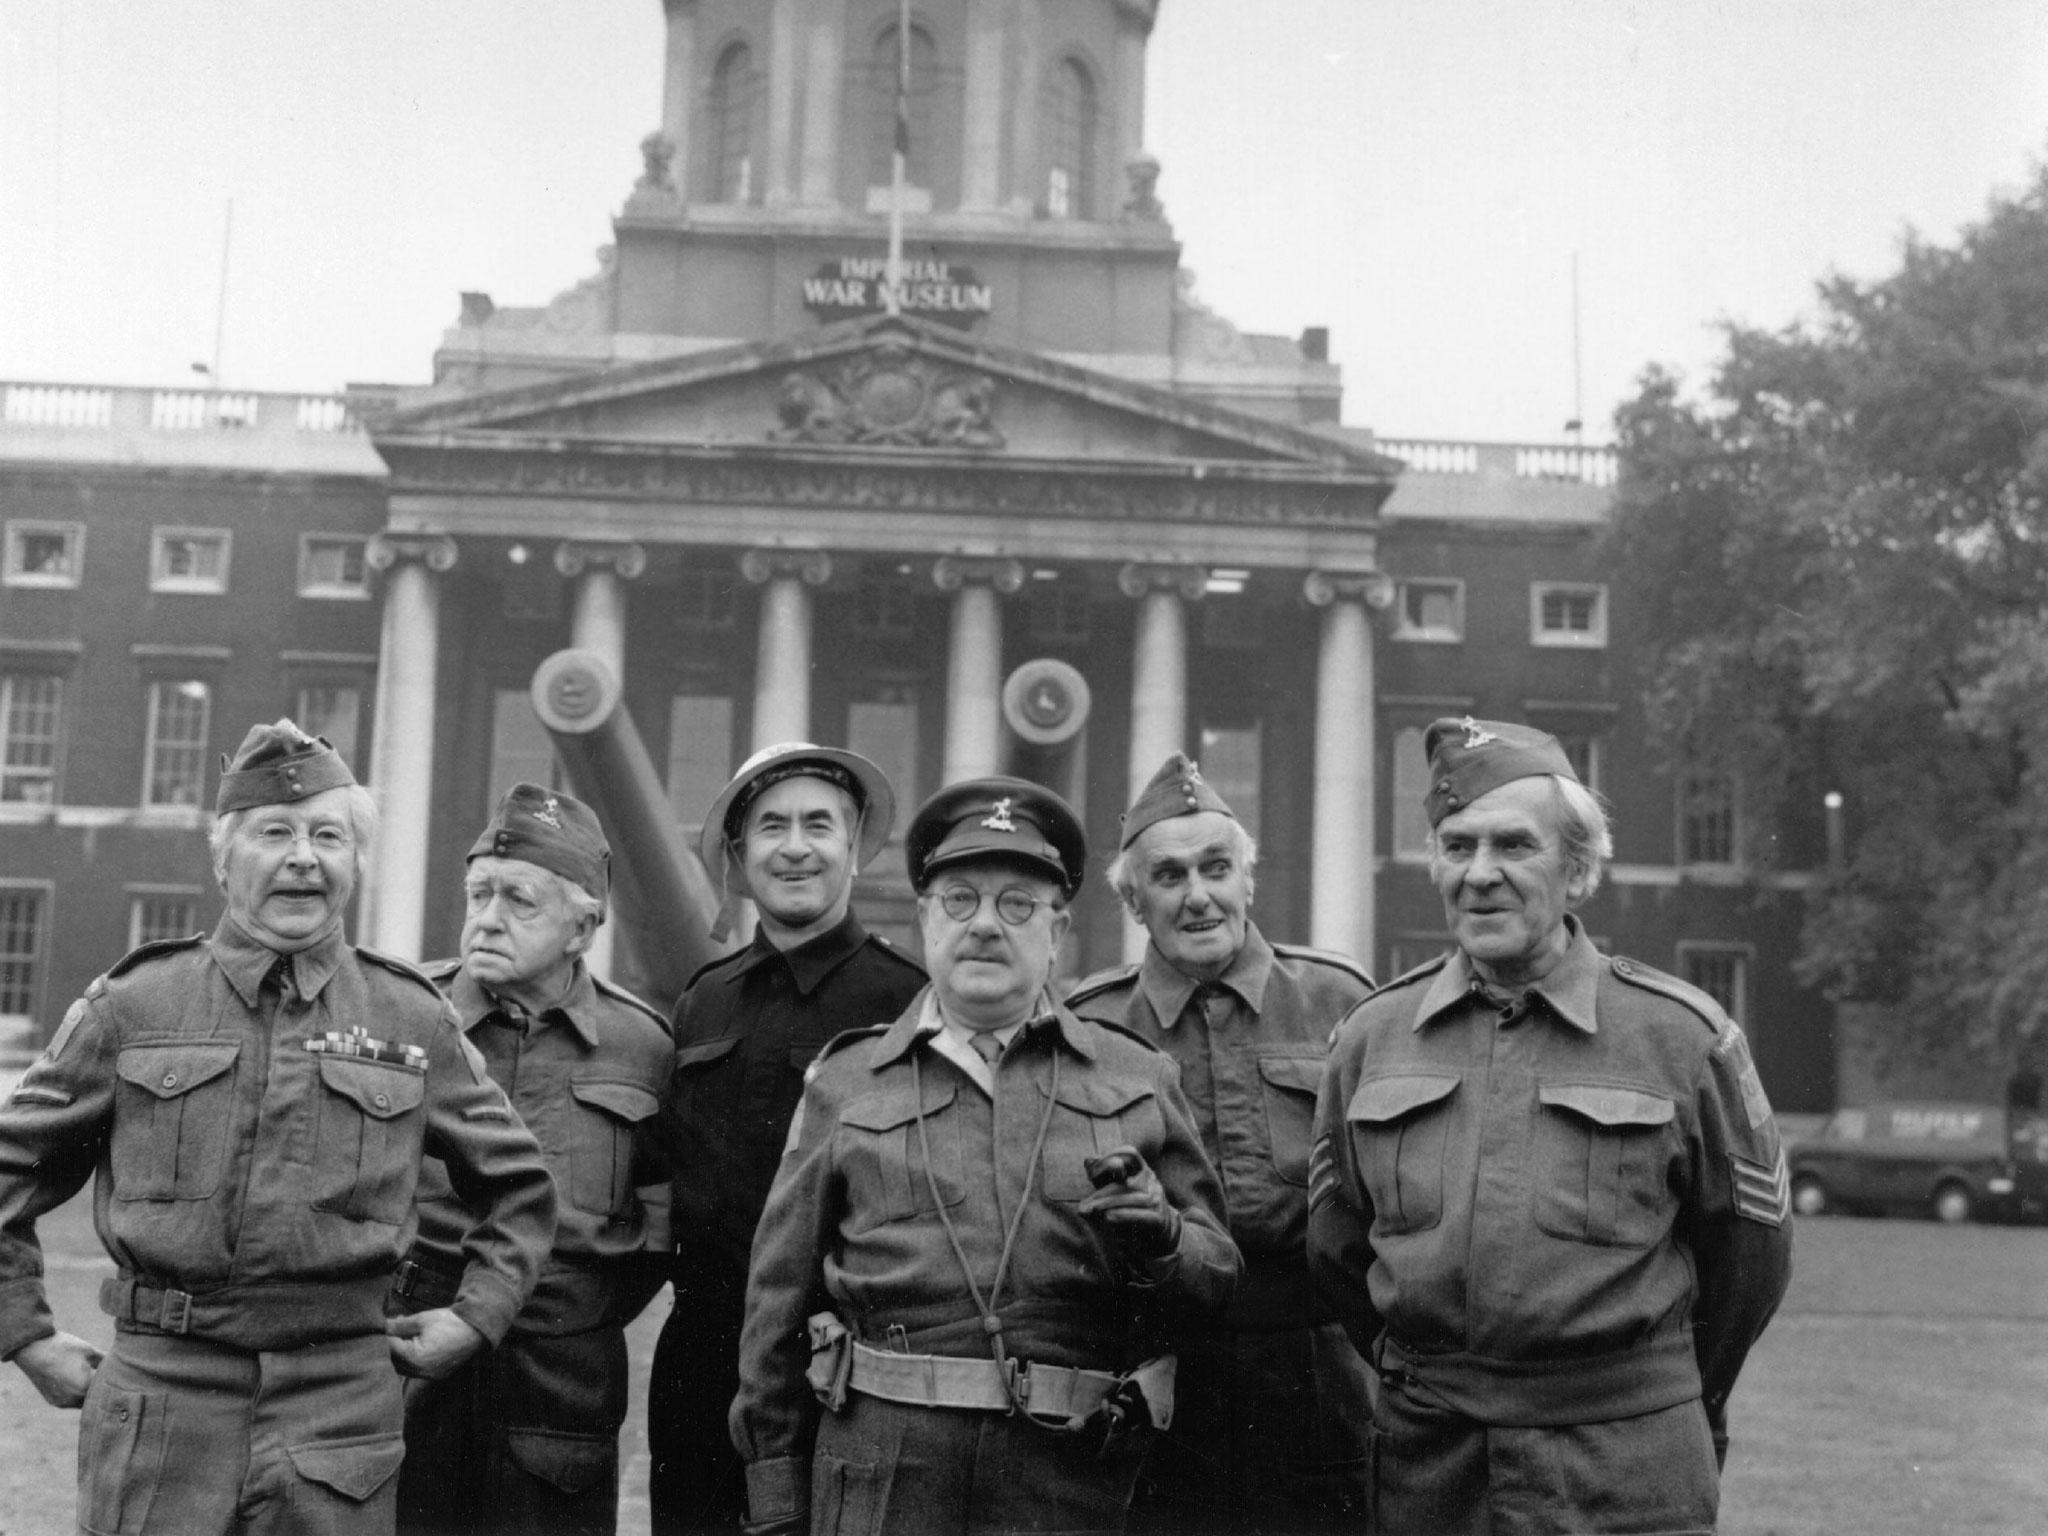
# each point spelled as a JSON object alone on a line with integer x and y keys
{"x": 987, "y": 1046}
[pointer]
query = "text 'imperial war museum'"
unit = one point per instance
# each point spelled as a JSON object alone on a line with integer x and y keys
{"x": 776, "y": 510}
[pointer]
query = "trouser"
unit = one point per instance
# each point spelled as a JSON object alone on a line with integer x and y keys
{"x": 1443, "y": 1474}
{"x": 1270, "y": 1434}
{"x": 893, "y": 1469}
{"x": 180, "y": 1436}
{"x": 523, "y": 1440}
{"x": 696, "y": 1480}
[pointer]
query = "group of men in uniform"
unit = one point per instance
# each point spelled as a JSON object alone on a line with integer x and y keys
{"x": 1227, "y": 1240}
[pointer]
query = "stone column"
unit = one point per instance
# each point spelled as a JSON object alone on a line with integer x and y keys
{"x": 394, "y": 899}
{"x": 598, "y": 624}
{"x": 974, "y": 662}
{"x": 678, "y": 87}
{"x": 981, "y": 167}
{"x": 1159, "y": 678}
{"x": 824, "y": 84}
{"x": 782, "y": 665}
{"x": 1344, "y": 864}
{"x": 785, "y": 38}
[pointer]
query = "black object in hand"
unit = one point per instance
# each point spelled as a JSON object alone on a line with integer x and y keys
{"x": 1113, "y": 1168}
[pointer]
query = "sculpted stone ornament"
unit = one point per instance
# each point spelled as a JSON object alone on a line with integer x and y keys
{"x": 1143, "y": 204}
{"x": 656, "y": 151}
{"x": 891, "y": 397}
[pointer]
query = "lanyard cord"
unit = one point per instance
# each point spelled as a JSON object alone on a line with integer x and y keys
{"x": 991, "y": 1324}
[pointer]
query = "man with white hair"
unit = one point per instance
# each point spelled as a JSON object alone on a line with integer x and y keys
{"x": 253, "y": 1106}
{"x": 1271, "y": 1423}
{"x": 525, "y": 1438}
{"x": 1547, "y": 1192}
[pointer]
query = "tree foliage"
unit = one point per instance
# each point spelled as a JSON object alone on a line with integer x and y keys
{"x": 1842, "y": 556}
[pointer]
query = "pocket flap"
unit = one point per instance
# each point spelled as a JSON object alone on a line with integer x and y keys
{"x": 1103, "y": 1099}
{"x": 624, "y": 1101}
{"x": 1378, "y": 1100}
{"x": 886, "y": 1111}
{"x": 169, "y": 1070}
{"x": 1297, "y": 1074}
{"x": 571, "y": 1463}
{"x": 378, "y": 1091}
{"x": 355, "y": 1469}
{"x": 691, "y": 1056}
{"x": 1605, "y": 1104}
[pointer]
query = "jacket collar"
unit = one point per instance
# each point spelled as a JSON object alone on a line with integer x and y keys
{"x": 245, "y": 961}
{"x": 1571, "y": 990}
{"x": 916, "y": 1024}
{"x": 811, "y": 961}
{"x": 473, "y": 1003}
{"x": 1167, "y": 988}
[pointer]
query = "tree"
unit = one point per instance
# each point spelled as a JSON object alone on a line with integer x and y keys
{"x": 1841, "y": 555}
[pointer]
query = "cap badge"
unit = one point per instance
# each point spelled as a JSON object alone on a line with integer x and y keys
{"x": 549, "y": 815}
{"x": 1476, "y": 735}
{"x": 999, "y": 819}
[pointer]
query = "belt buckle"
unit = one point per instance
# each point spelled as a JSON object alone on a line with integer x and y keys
{"x": 405, "y": 1277}
{"x": 175, "y": 1316}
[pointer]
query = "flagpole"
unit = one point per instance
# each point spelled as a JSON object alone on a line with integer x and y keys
{"x": 899, "y": 161}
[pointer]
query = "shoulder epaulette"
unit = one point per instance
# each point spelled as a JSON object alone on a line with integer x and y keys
{"x": 840, "y": 1042}
{"x": 1682, "y": 992}
{"x": 1428, "y": 967}
{"x": 149, "y": 951}
{"x": 889, "y": 948}
{"x": 711, "y": 965}
{"x": 1125, "y": 1030}
{"x": 440, "y": 971}
{"x": 619, "y": 994}
{"x": 398, "y": 967}
{"x": 1100, "y": 982}
{"x": 1330, "y": 957}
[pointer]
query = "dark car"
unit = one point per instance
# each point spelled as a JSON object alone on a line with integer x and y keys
{"x": 1952, "y": 1161}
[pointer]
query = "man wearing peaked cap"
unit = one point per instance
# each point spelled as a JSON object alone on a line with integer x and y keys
{"x": 1546, "y": 1192}
{"x": 1005, "y": 1209}
{"x": 789, "y": 832}
{"x": 1274, "y": 1403}
{"x": 254, "y": 1107}
{"x": 525, "y": 1437}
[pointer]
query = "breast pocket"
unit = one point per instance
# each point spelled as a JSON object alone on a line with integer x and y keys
{"x": 1289, "y": 1084}
{"x": 1601, "y": 1153}
{"x": 608, "y": 1117}
{"x": 699, "y": 1069}
{"x": 367, "y": 1155}
{"x": 883, "y": 1154}
{"x": 171, "y": 1122}
{"x": 1399, "y": 1128}
{"x": 1089, "y": 1119}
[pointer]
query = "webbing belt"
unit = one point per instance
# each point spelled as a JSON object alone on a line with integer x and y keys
{"x": 1051, "y": 1393}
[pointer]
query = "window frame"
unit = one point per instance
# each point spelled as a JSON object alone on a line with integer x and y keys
{"x": 1683, "y": 793}
{"x": 39, "y": 958}
{"x": 343, "y": 591}
{"x": 1592, "y": 639}
{"x": 1423, "y": 634}
{"x": 9, "y": 673}
{"x": 153, "y": 682}
{"x": 138, "y": 894}
{"x": 357, "y": 756}
{"x": 1068, "y": 189}
{"x": 161, "y": 580}
{"x": 13, "y": 574}
{"x": 1744, "y": 956}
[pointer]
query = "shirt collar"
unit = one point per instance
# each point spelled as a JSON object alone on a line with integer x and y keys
{"x": 922, "y": 1019}
{"x": 245, "y": 960}
{"x": 1571, "y": 990}
{"x": 577, "y": 1007}
{"x": 813, "y": 960}
{"x": 1167, "y": 988}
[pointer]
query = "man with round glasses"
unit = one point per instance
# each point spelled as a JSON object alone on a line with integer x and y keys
{"x": 991, "y": 1222}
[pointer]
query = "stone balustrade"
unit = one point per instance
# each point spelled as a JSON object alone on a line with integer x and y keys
{"x": 1519, "y": 461}
{"x": 88, "y": 407}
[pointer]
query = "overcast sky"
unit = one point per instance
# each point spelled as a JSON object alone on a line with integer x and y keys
{"x": 1414, "y": 174}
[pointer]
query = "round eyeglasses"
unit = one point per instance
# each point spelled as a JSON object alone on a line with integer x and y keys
{"x": 1014, "y": 904}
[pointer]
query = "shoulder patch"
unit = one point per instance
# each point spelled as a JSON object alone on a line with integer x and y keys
{"x": 1427, "y": 969}
{"x": 895, "y": 952}
{"x": 69, "y": 1027}
{"x": 151, "y": 951}
{"x": 619, "y": 994}
{"x": 1094, "y": 986}
{"x": 1684, "y": 993}
{"x": 397, "y": 967}
{"x": 1128, "y": 1033}
{"x": 1330, "y": 957}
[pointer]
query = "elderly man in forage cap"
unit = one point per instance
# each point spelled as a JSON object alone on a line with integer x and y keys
{"x": 525, "y": 1438}
{"x": 254, "y": 1106}
{"x": 1547, "y": 1190}
{"x": 789, "y": 833}
{"x": 991, "y": 1224}
{"x": 1274, "y": 1410}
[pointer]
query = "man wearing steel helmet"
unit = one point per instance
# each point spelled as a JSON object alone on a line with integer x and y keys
{"x": 253, "y": 1106}
{"x": 1547, "y": 1191}
{"x": 789, "y": 833}
{"x": 991, "y": 1222}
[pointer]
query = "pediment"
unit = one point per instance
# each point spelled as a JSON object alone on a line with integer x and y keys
{"x": 901, "y": 386}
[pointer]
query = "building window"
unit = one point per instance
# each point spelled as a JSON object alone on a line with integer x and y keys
{"x": 180, "y": 715}
{"x": 1070, "y": 129}
{"x": 699, "y": 753}
{"x": 333, "y": 710}
{"x": 44, "y": 554}
{"x": 1430, "y": 610}
{"x": 331, "y": 565}
{"x": 1721, "y": 971}
{"x": 154, "y": 916}
{"x": 1059, "y": 612}
{"x": 1567, "y": 613}
{"x": 31, "y": 708}
{"x": 1411, "y": 783}
{"x": 732, "y": 126}
{"x": 1583, "y": 752}
{"x": 923, "y": 108}
{"x": 189, "y": 560}
{"x": 522, "y": 752}
{"x": 1707, "y": 829}
{"x": 1230, "y": 760}
{"x": 884, "y": 731}
{"x": 23, "y": 922}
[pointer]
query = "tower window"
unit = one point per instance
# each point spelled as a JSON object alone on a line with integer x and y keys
{"x": 922, "y": 108}
{"x": 732, "y": 126}
{"x": 1070, "y": 122}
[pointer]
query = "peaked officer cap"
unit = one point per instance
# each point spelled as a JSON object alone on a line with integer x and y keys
{"x": 1469, "y": 757}
{"x": 1177, "y": 789}
{"x": 997, "y": 817}
{"x": 556, "y": 831}
{"x": 277, "y": 764}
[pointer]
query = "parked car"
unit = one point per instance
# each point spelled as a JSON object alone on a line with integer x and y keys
{"x": 1948, "y": 1160}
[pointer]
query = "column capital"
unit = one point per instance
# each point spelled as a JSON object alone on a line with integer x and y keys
{"x": 436, "y": 551}
{"x": 813, "y": 567}
{"x": 1138, "y": 578}
{"x": 1373, "y": 588}
{"x": 952, "y": 572}
{"x": 626, "y": 561}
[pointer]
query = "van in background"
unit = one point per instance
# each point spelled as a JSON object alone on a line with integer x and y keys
{"x": 1952, "y": 1161}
